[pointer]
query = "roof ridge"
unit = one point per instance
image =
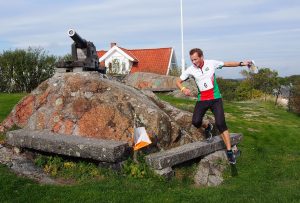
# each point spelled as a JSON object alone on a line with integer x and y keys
{"x": 136, "y": 58}
{"x": 151, "y": 48}
{"x": 140, "y": 48}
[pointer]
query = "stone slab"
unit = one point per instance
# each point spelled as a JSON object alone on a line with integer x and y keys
{"x": 76, "y": 146}
{"x": 177, "y": 155}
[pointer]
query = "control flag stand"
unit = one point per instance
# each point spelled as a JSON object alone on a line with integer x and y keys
{"x": 140, "y": 139}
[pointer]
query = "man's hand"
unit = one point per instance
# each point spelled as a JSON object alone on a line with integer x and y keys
{"x": 236, "y": 64}
{"x": 183, "y": 89}
{"x": 246, "y": 63}
{"x": 186, "y": 92}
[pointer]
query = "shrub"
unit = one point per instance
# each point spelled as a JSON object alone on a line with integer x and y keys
{"x": 57, "y": 166}
{"x": 23, "y": 70}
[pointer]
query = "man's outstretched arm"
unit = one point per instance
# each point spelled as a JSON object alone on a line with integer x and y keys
{"x": 236, "y": 64}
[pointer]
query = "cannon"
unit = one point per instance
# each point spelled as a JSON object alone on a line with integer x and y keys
{"x": 84, "y": 56}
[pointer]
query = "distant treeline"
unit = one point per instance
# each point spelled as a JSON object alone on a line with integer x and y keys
{"x": 22, "y": 70}
{"x": 261, "y": 85}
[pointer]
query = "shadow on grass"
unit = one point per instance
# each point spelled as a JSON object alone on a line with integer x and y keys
{"x": 234, "y": 171}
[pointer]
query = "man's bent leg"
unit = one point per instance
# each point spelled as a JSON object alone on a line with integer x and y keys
{"x": 218, "y": 111}
{"x": 226, "y": 138}
{"x": 230, "y": 155}
{"x": 199, "y": 112}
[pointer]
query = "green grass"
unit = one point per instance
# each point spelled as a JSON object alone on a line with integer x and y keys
{"x": 268, "y": 170}
{"x": 7, "y": 101}
{"x": 185, "y": 104}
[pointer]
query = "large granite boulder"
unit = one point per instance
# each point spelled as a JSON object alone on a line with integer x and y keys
{"x": 159, "y": 83}
{"x": 86, "y": 104}
{"x": 151, "y": 81}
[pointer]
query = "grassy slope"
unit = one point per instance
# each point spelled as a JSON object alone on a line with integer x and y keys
{"x": 7, "y": 101}
{"x": 268, "y": 169}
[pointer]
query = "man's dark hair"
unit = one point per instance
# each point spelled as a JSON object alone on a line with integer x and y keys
{"x": 196, "y": 50}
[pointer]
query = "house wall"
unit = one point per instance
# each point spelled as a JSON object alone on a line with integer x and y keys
{"x": 173, "y": 62}
{"x": 124, "y": 63}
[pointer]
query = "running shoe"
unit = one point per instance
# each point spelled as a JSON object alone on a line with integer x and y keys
{"x": 231, "y": 157}
{"x": 208, "y": 132}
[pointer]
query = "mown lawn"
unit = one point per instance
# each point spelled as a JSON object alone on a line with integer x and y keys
{"x": 268, "y": 170}
{"x": 7, "y": 102}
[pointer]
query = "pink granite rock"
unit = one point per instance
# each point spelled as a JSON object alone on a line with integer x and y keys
{"x": 86, "y": 104}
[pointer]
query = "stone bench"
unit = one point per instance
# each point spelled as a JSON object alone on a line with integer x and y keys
{"x": 76, "y": 146}
{"x": 164, "y": 160}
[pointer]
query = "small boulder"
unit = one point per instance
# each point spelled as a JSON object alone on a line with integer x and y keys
{"x": 210, "y": 169}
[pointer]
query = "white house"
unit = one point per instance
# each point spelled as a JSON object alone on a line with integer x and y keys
{"x": 123, "y": 61}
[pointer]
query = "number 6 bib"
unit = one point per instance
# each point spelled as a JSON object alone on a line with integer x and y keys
{"x": 205, "y": 84}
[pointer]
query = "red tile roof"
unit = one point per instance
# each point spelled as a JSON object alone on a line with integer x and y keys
{"x": 148, "y": 60}
{"x": 129, "y": 53}
{"x": 100, "y": 54}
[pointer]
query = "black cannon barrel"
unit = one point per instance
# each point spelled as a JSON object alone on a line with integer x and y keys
{"x": 77, "y": 39}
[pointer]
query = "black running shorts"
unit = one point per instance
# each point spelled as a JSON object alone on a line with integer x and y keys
{"x": 216, "y": 106}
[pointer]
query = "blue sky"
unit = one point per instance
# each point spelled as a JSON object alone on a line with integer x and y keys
{"x": 267, "y": 31}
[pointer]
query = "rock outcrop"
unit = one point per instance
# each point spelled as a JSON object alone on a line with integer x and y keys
{"x": 151, "y": 81}
{"x": 86, "y": 104}
{"x": 210, "y": 169}
{"x": 22, "y": 165}
{"x": 159, "y": 83}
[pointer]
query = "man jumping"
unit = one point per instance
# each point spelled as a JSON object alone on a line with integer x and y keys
{"x": 209, "y": 96}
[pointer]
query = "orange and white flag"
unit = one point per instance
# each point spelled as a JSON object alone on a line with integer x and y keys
{"x": 141, "y": 138}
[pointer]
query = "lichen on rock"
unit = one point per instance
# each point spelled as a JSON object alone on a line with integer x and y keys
{"x": 86, "y": 104}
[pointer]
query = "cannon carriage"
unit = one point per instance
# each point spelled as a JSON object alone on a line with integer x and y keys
{"x": 84, "y": 56}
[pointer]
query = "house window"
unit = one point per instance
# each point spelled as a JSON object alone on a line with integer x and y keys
{"x": 114, "y": 66}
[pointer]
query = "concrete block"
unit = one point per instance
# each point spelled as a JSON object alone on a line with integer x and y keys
{"x": 177, "y": 155}
{"x": 76, "y": 146}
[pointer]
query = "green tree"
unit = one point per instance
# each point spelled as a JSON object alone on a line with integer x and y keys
{"x": 175, "y": 71}
{"x": 266, "y": 80}
{"x": 67, "y": 57}
{"x": 294, "y": 97}
{"x": 228, "y": 88}
{"x": 23, "y": 70}
{"x": 243, "y": 91}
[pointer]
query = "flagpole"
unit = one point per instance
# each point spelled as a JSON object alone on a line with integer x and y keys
{"x": 182, "y": 49}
